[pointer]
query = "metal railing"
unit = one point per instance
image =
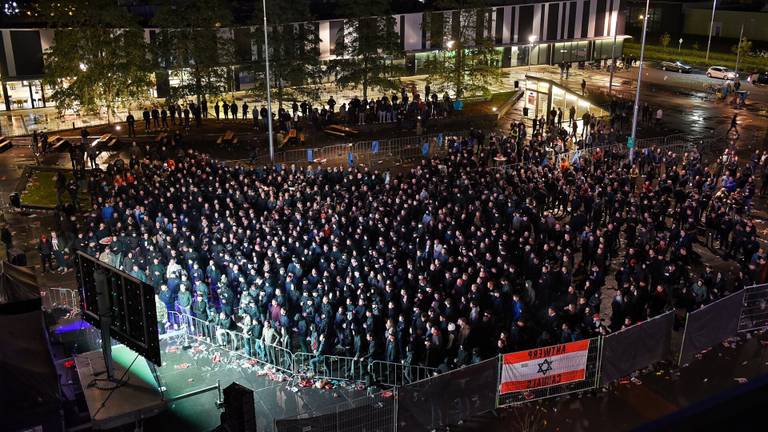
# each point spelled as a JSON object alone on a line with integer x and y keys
{"x": 297, "y": 363}
{"x": 61, "y": 297}
{"x": 399, "y": 374}
{"x": 367, "y": 152}
{"x": 330, "y": 366}
{"x": 754, "y": 312}
{"x": 234, "y": 342}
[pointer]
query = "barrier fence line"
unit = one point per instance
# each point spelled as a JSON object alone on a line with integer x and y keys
{"x": 283, "y": 359}
{"x": 754, "y": 314}
{"x": 362, "y": 152}
{"x": 541, "y": 373}
{"x": 710, "y": 325}
{"x": 61, "y": 297}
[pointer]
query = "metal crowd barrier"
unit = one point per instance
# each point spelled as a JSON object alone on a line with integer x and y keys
{"x": 233, "y": 341}
{"x": 754, "y": 312}
{"x": 61, "y": 297}
{"x": 398, "y": 374}
{"x": 330, "y": 366}
{"x": 363, "y": 152}
{"x": 298, "y": 363}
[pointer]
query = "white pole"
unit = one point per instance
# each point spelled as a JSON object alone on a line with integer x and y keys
{"x": 711, "y": 24}
{"x": 639, "y": 80}
{"x": 738, "y": 52}
{"x": 269, "y": 91}
{"x": 613, "y": 54}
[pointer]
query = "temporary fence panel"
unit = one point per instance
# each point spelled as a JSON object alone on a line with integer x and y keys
{"x": 330, "y": 366}
{"x": 754, "y": 313}
{"x": 448, "y": 398}
{"x": 711, "y": 325}
{"x": 398, "y": 374}
{"x": 235, "y": 342}
{"x": 62, "y": 298}
{"x": 636, "y": 347}
{"x": 375, "y": 413}
{"x": 548, "y": 371}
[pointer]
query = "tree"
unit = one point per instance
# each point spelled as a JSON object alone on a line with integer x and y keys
{"x": 743, "y": 49}
{"x": 366, "y": 47}
{"x": 294, "y": 52}
{"x": 471, "y": 64}
{"x": 195, "y": 47}
{"x": 664, "y": 39}
{"x": 98, "y": 59}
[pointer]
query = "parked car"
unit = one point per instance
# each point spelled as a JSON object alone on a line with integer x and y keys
{"x": 721, "y": 72}
{"x": 677, "y": 66}
{"x": 760, "y": 78}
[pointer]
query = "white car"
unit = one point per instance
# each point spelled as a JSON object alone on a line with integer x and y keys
{"x": 721, "y": 72}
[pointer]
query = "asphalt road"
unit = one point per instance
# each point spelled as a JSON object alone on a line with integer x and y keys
{"x": 682, "y": 97}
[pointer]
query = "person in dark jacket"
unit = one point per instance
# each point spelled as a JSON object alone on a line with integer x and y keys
{"x": 46, "y": 251}
{"x": 131, "y": 125}
{"x": 146, "y": 115}
{"x": 7, "y": 238}
{"x": 184, "y": 303}
{"x": 392, "y": 353}
{"x": 223, "y": 326}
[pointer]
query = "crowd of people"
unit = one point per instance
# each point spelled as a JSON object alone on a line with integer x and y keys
{"x": 404, "y": 107}
{"x": 452, "y": 261}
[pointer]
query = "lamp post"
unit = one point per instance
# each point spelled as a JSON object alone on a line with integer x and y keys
{"x": 613, "y": 55}
{"x": 531, "y": 40}
{"x": 738, "y": 52}
{"x": 679, "y": 45}
{"x": 639, "y": 80}
{"x": 711, "y": 24}
{"x": 269, "y": 91}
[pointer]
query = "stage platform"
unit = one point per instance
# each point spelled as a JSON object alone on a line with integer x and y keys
{"x": 198, "y": 369}
{"x": 201, "y": 365}
{"x": 113, "y": 404}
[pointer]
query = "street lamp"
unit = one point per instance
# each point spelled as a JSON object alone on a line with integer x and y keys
{"x": 679, "y": 45}
{"x": 613, "y": 54}
{"x": 83, "y": 67}
{"x": 639, "y": 80}
{"x": 531, "y": 40}
{"x": 711, "y": 24}
{"x": 738, "y": 52}
{"x": 269, "y": 91}
{"x": 449, "y": 44}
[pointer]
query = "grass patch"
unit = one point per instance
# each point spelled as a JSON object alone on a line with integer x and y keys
{"x": 697, "y": 58}
{"x": 40, "y": 191}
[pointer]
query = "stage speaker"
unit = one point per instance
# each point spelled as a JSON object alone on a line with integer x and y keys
{"x": 239, "y": 410}
{"x": 17, "y": 257}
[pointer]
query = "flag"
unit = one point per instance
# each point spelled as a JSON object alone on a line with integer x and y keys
{"x": 310, "y": 155}
{"x": 375, "y": 147}
{"x": 544, "y": 367}
{"x": 425, "y": 149}
{"x": 351, "y": 159}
